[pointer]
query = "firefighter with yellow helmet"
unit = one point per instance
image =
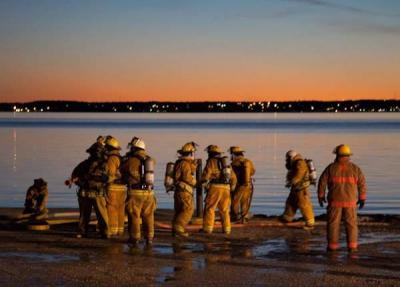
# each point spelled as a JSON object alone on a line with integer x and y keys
{"x": 346, "y": 189}
{"x": 219, "y": 179}
{"x": 185, "y": 181}
{"x": 242, "y": 195}
{"x": 138, "y": 172}
{"x": 116, "y": 191}
{"x": 298, "y": 180}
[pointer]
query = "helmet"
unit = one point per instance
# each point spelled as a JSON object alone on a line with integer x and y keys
{"x": 342, "y": 150}
{"x": 235, "y": 149}
{"x": 137, "y": 143}
{"x": 188, "y": 147}
{"x": 112, "y": 142}
{"x": 213, "y": 148}
{"x": 291, "y": 154}
{"x": 100, "y": 140}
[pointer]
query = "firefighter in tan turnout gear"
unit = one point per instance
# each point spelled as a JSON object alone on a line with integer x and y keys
{"x": 185, "y": 181}
{"x": 219, "y": 179}
{"x": 242, "y": 195}
{"x": 346, "y": 188}
{"x": 298, "y": 180}
{"x": 138, "y": 173}
{"x": 36, "y": 200}
{"x": 116, "y": 191}
{"x": 89, "y": 177}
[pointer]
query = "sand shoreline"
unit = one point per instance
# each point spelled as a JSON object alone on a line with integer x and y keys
{"x": 262, "y": 253}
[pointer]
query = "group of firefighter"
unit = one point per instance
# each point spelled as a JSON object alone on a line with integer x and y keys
{"x": 115, "y": 185}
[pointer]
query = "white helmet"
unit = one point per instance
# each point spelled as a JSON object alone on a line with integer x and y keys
{"x": 137, "y": 143}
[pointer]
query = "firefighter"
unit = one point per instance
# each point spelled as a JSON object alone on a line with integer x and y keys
{"x": 138, "y": 173}
{"x": 36, "y": 199}
{"x": 89, "y": 177}
{"x": 185, "y": 182}
{"x": 298, "y": 180}
{"x": 116, "y": 191}
{"x": 346, "y": 189}
{"x": 219, "y": 180}
{"x": 242, "y": 195}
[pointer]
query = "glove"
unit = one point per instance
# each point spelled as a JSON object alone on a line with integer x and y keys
{"x": 288, "y": 185}
{"x": 321, "y": 201}
{"x": 361, "y": 204}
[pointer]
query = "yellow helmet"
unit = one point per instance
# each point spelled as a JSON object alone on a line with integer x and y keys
{"x": 113, "y": 142}
{"x": 213, "y": 148}
{"x": 188, "y": 147}
{"x": 137, "y": 143}
{"x": 342, "y": 150}
{"x": 235, "y": 149}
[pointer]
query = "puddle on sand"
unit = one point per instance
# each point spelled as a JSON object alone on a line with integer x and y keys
{"x": 374, "y": 237}
{"x": 42, "y": 257}
{"x": 166, "y": 274}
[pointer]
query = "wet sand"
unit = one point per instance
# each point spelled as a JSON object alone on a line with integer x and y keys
{"x": 262, "y": 253}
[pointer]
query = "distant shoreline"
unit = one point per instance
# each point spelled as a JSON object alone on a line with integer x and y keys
{"x": 356, "y": 106}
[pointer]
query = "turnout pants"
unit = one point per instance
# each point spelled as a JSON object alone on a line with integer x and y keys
{"x": 299, "y": 199}
{"x": 184, "y": 208}
{"x": 116, "y": 194}
{"x": 218, "y": 196}
{"x": 85, "y": 210}
{"x": 140, "y": 208}
{"x": 241, "y": 202}
{"x": 335, "y": 216}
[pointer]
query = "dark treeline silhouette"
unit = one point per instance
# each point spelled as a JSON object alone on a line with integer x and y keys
{"x": 201, "y": 107}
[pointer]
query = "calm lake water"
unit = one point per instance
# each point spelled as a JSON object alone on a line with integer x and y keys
{"x": 49, "y": 145}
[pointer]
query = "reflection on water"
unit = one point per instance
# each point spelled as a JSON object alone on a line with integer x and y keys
{"x": 51, "y": 151}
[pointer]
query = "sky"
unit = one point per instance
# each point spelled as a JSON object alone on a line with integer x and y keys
{"x": 209, "y": 50}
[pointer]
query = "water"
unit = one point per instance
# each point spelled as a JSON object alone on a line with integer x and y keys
{"x": 50, "y": 145}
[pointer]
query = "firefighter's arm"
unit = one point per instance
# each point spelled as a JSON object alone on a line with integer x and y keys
{"x": 300, "y": 172}
{"x": 233, "y": 180}
{"x": 44, "y": 198}
{"x": 248, "y": 172}
{"x": 322, "y": 183}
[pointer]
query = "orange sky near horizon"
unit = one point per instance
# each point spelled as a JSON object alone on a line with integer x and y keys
{"x": 230, "y": 51}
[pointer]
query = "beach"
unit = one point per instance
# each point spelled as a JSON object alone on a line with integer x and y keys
{"x": 262, "y": 253}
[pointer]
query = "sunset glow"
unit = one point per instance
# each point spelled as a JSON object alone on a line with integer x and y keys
{"x": 199, "y": 50}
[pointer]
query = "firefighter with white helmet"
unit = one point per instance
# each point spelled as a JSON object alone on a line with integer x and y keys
{"x": 298, "y": 180}
{"x": 138, "y": 173}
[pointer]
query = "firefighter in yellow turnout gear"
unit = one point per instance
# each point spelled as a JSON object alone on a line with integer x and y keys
{"x": 241, "y": 196}
{"x": 185, "y": 181}
{"x": 138, "y": 173}
{"x": 89, "y": 177}
{"x": 298, "y": 181}
{"x": 116, "y": 191}
{"x": 219, "y": 179}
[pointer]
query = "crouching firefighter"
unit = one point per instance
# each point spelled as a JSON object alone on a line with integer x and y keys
{"x": 116, "y": 191}
{"x": 298, "y": 180}
{"x": 243, "y": 193}
{"x": 138, "y": 173}
{"x": 185, "y": 181}
{"x": 219, "y": 179}
{"x": 89, "y": 177}
{"x": 36, "y": 200}
{"x": 346, "y": 188}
